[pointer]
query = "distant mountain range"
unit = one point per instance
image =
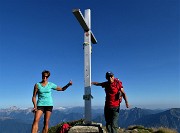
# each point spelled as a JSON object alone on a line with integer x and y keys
{"x": 18, "y": 120}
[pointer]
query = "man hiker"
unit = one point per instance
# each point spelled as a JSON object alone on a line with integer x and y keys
{"x": 114, "y": 94}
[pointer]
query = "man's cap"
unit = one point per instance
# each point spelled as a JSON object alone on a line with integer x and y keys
{"x": 109, "y": 74}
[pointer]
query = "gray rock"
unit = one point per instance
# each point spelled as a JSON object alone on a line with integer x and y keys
{"x": 84, "y": 129}
{"x": 94, "y": 128}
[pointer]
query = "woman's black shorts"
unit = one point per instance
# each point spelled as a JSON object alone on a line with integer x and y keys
{"x": 45, "y": 108}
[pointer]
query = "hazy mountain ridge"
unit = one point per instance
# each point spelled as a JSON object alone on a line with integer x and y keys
{"x": 15, "y": 118}
{"x": 169, "y": 118}
{"x": 128, "y": 117}
{"x": 14, "y": 125}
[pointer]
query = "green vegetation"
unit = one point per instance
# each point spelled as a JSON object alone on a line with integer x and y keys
{"x": 142, "y": 129}
{"x": 165, "y": 130}
{"x": 56, "y": 128}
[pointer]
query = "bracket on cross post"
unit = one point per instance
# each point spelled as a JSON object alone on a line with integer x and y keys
{"x": 87, "y": 97}
{"x": 85, "y": 44}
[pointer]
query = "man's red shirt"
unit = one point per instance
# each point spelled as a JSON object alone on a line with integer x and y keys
{"x": 111, "y": 90}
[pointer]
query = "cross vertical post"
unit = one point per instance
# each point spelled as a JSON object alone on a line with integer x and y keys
{"x": 85, "y": 22}
{"x": 87, "y": 68}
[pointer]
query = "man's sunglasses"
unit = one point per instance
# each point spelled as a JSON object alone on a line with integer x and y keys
{"x": 45, "y": 76}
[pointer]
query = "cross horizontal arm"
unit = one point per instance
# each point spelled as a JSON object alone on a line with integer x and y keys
{"x": 77, "y": 13}
{"x": 93, "y": 39}
{"x": 81, "y": 19}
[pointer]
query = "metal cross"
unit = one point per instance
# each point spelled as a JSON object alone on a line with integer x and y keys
{"x": 85, "y": 22}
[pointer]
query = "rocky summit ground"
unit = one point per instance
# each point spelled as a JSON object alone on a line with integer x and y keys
{"x": 102, "y": 129}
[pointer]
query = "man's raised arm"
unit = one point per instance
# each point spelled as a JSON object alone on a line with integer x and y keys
{"x": 96, "y": 83}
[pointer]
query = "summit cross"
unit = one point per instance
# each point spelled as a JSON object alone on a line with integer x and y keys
{"x": 85, "y": 22}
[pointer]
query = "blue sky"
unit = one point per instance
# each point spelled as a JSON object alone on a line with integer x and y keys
{"x": 137, "y": 40}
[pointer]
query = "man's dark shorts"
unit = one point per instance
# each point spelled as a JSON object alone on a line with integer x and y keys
{"x": 45, "y": 108}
